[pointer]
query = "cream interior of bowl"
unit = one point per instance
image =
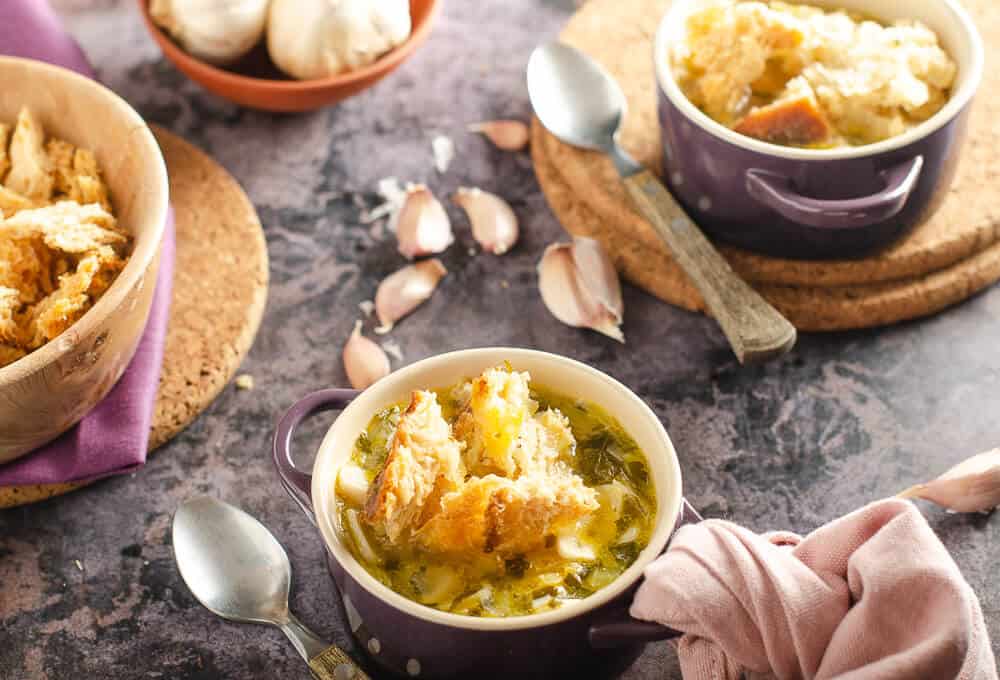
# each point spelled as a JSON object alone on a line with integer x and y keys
{"x": 88, "y": 115}
{"x": 558, "y": 373}
{"x": 954, "y": 28}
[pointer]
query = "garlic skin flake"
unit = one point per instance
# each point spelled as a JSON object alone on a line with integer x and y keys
{"x": 403, "y": 291}
{"x": 971, "y": 486}
{"x": 590, "y": 299}
{"x": 216, "y": 31}
{"x": 422, "y": 227}
{"x": 444, "y": 153}
{"x": 310, "y": 39}
{"x": 509, "y": 135}
{"x": 364, "y": 360}
{"x": 494, "y": 224}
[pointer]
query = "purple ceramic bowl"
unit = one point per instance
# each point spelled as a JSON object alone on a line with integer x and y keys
{"x": 816, "y": 203}
{"x": 590, "y": 637}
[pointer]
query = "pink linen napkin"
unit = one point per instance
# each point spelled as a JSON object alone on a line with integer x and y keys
{"x": 873, "y": 595}
{"x": 113, "y": 438}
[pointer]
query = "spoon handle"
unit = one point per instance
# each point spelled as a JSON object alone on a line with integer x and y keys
{"x": 755, "y": 329}
{"x": 327, "y": 662}
{"x": 334, "y": 664}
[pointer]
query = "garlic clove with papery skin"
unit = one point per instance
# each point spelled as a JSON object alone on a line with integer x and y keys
{"x": 598, "y": 275}
{"x": 494, "y": 224}
{"x": 403, "y": 291}
{"x": 422, "y": 227}
{"x": 364, "y": 361}
{"x": 971, "y": 486}
{"x": 509, "y": 135}
{"x": 568, "y": 299}
{"x": 216, "y": 31}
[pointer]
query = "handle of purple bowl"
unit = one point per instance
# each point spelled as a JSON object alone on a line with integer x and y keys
{"x": 777, "y": 192}
{"x": 298, "y": 484}
{"x": 619, "y": 629}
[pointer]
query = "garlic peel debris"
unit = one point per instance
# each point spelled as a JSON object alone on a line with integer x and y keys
{"x": 971, "y": 486}
{"x": 494, "y": 224}
{"x": 575, "y": 297}
{"x": 364, "y": 361}
{"x": 215, "y": 31}
{"x": 509, "y": 135}
{"x": 423, "y": 226}
{"x": 444, "y": 153}
{"x": 403, "y": 291}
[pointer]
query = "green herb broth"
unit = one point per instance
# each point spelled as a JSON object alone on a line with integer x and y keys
{"x": 489, "y": 585}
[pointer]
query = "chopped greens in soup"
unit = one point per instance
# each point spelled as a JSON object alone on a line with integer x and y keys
{"x": 495, "y": 497}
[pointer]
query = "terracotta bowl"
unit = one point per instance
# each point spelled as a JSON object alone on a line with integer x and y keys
{"x": 255, "y": 82}
{"x": 48, "y": 391}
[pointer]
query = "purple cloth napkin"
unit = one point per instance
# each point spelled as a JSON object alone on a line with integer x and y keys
{"x": 112, "y": 439}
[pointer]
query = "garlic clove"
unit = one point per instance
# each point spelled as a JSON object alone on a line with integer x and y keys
{"x": 971, "y": 486}
{"x": 509, "y": 135}
{"x": 364, "y": 360}
{"x": 598, "y": 275}
{"x": 423, "y": 227}
{"x": 494, "y": 224}
{"x": 403, "y": 291}
{"x": 565, "y": 296}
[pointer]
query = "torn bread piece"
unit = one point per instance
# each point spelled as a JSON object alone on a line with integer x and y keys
{"x": 795, "y": 119}
{"x": 495, "y": 514}
{"x": 30, "y": 168}
{"x": 12, "y": 202}
{"x": 491, "y": 423}
{"x": 423, "y": 464}
{"x": 68, "y": 226}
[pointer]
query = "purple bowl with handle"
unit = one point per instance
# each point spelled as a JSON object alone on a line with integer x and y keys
{"x": 816, "y": 203}
{"x": 592, "y": 637}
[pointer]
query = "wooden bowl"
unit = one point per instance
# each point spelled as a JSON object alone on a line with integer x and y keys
{"x": 256, "y": 82}
{"x": 46, "y": 392}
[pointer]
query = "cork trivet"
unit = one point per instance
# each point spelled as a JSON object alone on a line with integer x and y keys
{"x": 619, "y": 34}
{"x": 808, "y": 308}
{"x": 220, "y": 287}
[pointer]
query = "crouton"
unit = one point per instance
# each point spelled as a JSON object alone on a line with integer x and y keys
{"x": 490, "y": 426}
{"x": 30, "y": 168}
{"x": 495, "y": 514}
{"x": 424, "y": 463}
{"x": 796, "y": 121}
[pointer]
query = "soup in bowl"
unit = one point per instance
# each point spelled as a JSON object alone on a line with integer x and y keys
{"x": 490, "y": 512}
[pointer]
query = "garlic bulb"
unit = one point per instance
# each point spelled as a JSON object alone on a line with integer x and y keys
{"x": 509, "y": 135}
{"x": 318, "y": 38}
{"x": 364, "y": 360}
{"x": 494, "y": 224}
{"x": 422, "y": 225}
{"x": 579, "y": 285}
{"x": 216, "y": 31}
{"x": 403, "y": 291}
{"x": 971, "y": 486}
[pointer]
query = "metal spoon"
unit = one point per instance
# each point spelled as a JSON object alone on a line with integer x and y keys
{"x": 582, "y": 105}
{"x": 239, "y": 571}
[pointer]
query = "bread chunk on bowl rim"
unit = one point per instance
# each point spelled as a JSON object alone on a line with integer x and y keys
{"x": 960, "y": 40}
{"x": 49, "y": 390}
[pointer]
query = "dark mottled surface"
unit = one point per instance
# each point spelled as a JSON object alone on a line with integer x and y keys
{"x": 846, "y": 419}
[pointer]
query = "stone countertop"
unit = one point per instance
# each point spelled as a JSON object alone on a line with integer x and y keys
{"x": 88, "y": 587}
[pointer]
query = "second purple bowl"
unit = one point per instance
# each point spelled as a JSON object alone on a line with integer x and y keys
{"x": 811, "y": 203}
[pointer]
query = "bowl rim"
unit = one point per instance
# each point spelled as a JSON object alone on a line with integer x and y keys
{"x": 669, "y": 500}
{"x": 140, "y": 258}
{"x": 389, "y": 60}
{"x": 971, "y": 77}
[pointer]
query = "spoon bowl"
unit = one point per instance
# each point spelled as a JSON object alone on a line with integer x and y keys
{"x": 574, "y": 98}
{"x": 231, "y": 562}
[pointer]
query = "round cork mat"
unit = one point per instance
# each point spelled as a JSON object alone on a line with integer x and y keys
{"x": 220, "y": 288}
{"x": 586, "y": 194}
